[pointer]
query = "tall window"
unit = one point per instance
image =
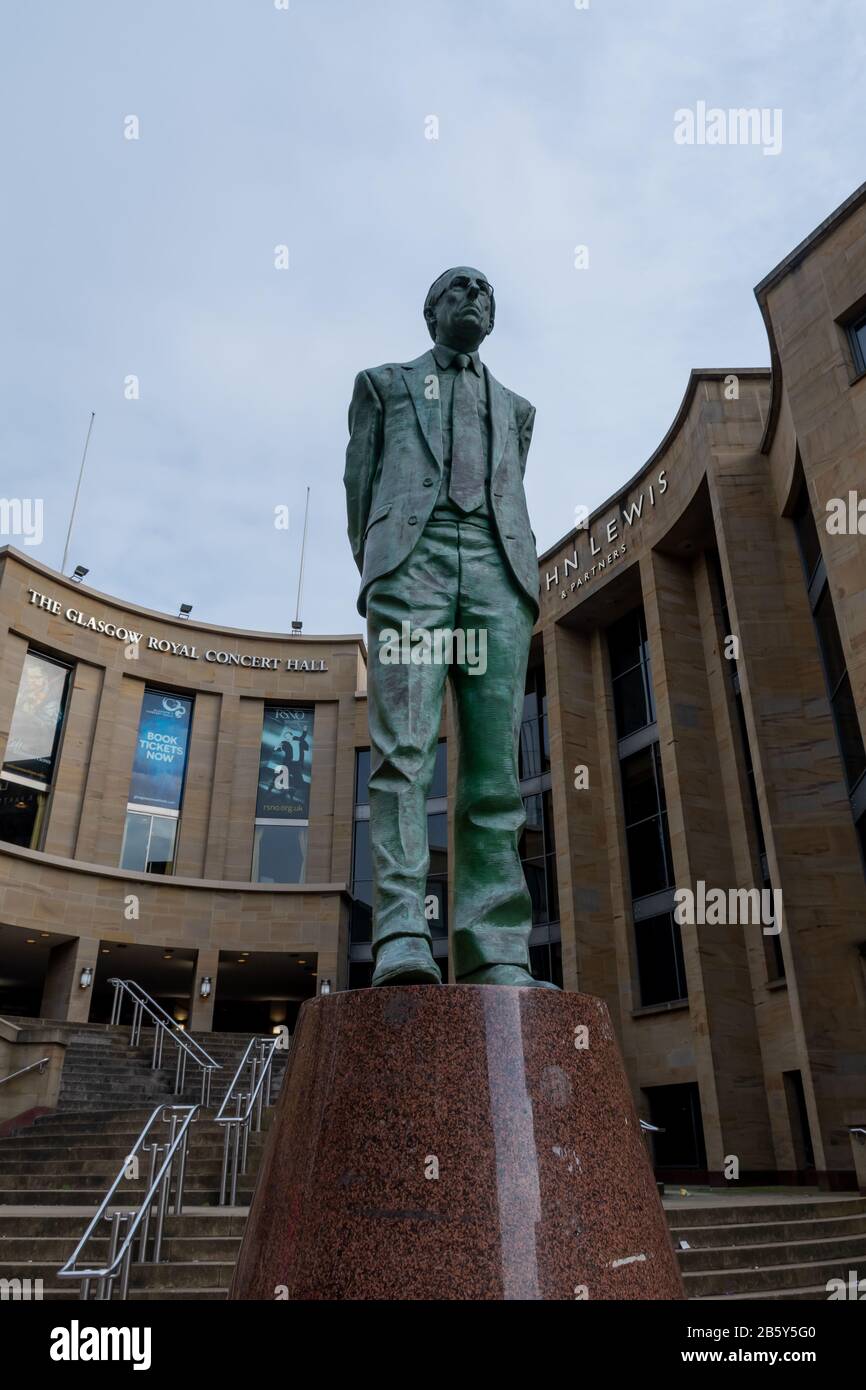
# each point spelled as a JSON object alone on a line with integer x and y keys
{"x": 537, "y": 843}
{"x": 857, "y": 336}
{"x": 658, "y": 947}
{"x": 32, "y": 750}
{"x": 283, "y": 797}
{"x": 534, "y": 747}
{"x": 156, "y": 790}
{"x": 848, "y": 735}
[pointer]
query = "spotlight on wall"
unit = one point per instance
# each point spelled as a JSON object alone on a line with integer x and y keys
{"x": 325, "y": 987}
{"x": 86, "y": 977}
{"x": 205, "y": 987}
{"x": 79, "y": 572}
{"x": 185, "y": 610}
{"x": 297, "y": 627}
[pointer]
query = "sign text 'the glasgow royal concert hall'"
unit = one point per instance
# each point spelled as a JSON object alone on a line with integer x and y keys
{"x": 162, "y": 644}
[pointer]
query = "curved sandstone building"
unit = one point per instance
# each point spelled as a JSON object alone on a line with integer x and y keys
{"x": 185, "y": 805}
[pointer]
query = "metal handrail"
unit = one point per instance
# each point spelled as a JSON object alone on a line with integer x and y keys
{"x": 258, "y": 1057}
{"x": 41, "y": 1064}
{"x": 127, "y": 1223}
{"x": 164, "y": 1026}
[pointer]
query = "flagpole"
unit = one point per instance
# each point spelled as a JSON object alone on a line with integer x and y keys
{"x": 77, "y": 490}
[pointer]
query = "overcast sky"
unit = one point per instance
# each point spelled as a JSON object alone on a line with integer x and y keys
{"x": 308, "y": 127}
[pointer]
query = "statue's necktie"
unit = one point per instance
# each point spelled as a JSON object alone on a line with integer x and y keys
{"x": 467, "y": 446}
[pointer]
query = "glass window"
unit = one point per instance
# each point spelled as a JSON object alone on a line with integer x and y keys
{"x": 625, "y": 643}
{"x": 631, "y": 672}
{"x": 436, "y": 907}
{"x": 831, "y": 642}
{"x": 148, "y": 843}
{"x": 857, "y": 333}
{"x": 439, "y": 784}
{"x": 22, "y": 810}
{"x": 362, "y": 776}
{"x": 534, "y": 745}
{"x": 437, "y": 839}
{"x": 362, "y": 864}
{"x": 661, "y": 970}
{"x": 848, "y": 729}
{"x": 280, "y": 853}
{"x": 631, "y": 703}
{"x": 37, "y": 719}
{"x": 807, "y": 534}
{"x": 545, "y": 962}
{"x": 646, "y": 822}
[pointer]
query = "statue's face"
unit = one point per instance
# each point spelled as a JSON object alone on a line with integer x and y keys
{"x": 463, "y": 310}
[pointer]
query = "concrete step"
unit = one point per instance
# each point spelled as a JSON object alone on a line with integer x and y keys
{"x": 189, "y": 1274}
{"x": 727, "y": 1212}
{"x": 770, "y": 1278}
{"x": 20, "y": 1254}
{"x": 749, "y": 1257}
{"x": 76, "y": 1195}
{"x": 757, "y": 1233}
{"x": 17, "y": 1223}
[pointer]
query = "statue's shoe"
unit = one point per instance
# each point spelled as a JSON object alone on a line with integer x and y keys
{"x": 406, "y": 960}
{"x": 505, "y": 975}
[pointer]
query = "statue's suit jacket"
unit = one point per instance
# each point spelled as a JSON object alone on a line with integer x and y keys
{"x": 394, "y": 469}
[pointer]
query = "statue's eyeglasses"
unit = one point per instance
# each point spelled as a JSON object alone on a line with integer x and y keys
{"x": 462, "y": 282}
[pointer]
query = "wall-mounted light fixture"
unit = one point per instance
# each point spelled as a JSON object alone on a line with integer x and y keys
{"x": 325, "y": 987}
{"x": 85, "y": 979}
{"x": 205, "y": 987}
{"x": 185, "y": 610}
{"x": 79, "y": 573}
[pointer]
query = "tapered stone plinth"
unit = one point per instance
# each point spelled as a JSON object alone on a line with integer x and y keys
{"x": 444, "y": 1142}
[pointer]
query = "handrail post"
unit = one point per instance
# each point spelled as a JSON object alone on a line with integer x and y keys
{"x": 161, "y": 1205}
{"x": 235, "y": 1142}
{"x": 125, "y": 1271}
{"x": 103, "y": 1285}
{"x": 181, "y": 1174}
{"x": 145, "y": 1221}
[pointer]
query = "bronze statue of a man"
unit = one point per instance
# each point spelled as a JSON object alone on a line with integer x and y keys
{"x": 449, "y": 586}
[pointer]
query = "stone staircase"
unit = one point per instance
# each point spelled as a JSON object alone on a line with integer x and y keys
{"x": 54, "y": 1173}
{"x": 785, "y": 1250}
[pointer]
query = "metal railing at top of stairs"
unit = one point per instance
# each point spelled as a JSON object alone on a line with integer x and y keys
{"x": 250, "y": 1091}
{"x": 41, "y": 1064}
{"x": 164, "y": 1027}
{"x": 167, "y": 1165}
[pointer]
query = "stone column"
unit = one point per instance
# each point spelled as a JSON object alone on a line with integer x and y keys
{"x": 62, "y": 995}
{"x": 721, "y": 1006}
{"x": 811, "y": 843}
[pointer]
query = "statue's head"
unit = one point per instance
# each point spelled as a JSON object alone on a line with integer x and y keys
{"x": 460, "y": 308}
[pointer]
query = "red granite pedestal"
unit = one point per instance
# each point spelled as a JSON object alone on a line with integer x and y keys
{"x": 456, "y": 1142}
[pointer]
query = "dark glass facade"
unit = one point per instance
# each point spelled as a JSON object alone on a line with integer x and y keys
{"x": 848, "y": 734}
{"x": 658, "y": 946}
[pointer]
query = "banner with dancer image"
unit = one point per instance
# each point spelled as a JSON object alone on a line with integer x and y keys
{"x": 285, "y": 764}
